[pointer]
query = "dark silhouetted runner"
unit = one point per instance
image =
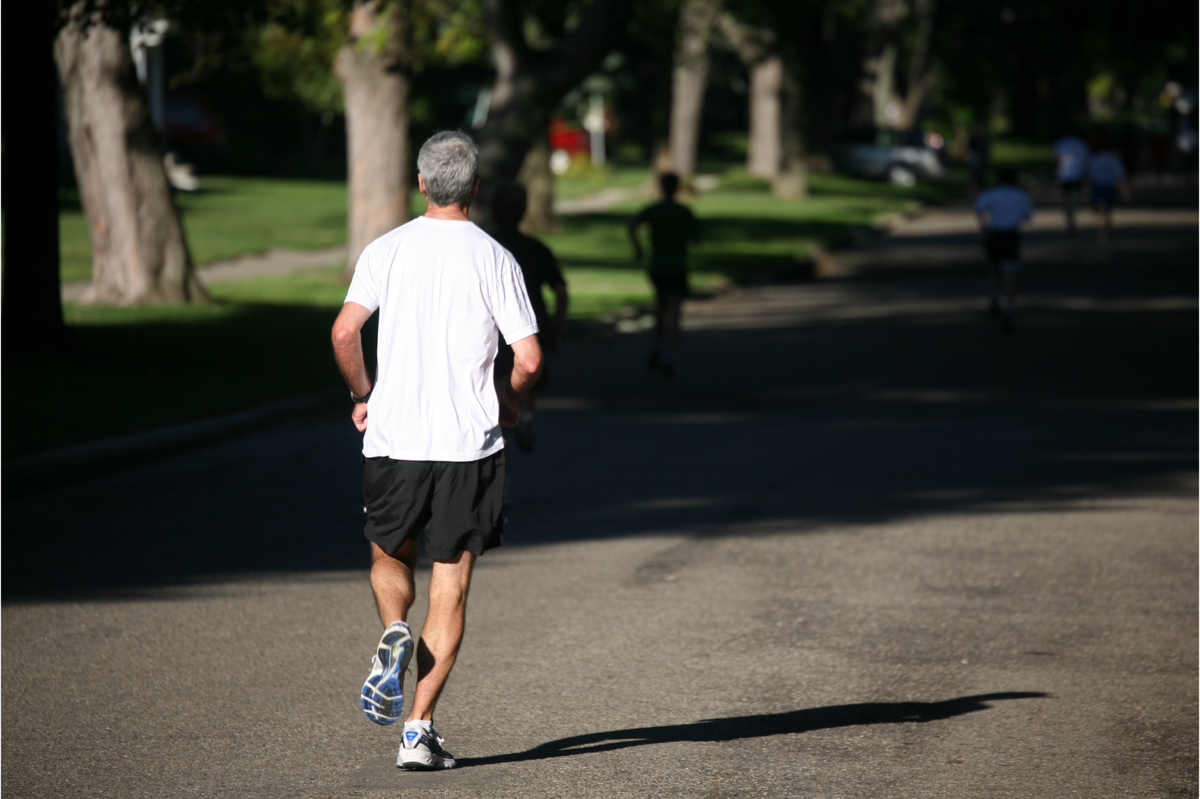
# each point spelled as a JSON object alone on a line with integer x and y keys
{"x": 672, "y": 227}
{"x": 540, "y": 268}
{"x": 1001, "y": 210}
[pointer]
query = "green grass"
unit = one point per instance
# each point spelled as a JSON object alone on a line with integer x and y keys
{"x": 1023, "y": 156}
{"x": 267, "y": 339}
{"x": 230, "y": 217}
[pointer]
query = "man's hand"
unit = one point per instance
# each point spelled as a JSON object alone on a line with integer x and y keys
{"x": 510, "y": 408}
{"x": 359, "y": 416}
{"x": 527, "y": 365}
{"x": 347, "y": 349}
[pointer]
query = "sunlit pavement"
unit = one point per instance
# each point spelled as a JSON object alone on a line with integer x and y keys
{"x": 864, "y": 545}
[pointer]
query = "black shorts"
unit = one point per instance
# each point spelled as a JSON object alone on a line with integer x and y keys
{"x": 1070, "y": 185}
{"x": 1002, "y": 245}
{"x": 669, "y": 284}
{"x": 457, "y": 505}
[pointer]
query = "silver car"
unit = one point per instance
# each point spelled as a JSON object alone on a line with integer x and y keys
{"x": 901, "y": 157}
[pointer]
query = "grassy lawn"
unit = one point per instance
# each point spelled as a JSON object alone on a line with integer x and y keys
{"x": 229, "y": 217}
{"x": 268, "y": 339}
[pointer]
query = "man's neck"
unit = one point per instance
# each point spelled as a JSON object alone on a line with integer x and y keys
{"x": 451, "y": 212}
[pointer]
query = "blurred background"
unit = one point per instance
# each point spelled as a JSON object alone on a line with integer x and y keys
{"x": 287, "y": 132}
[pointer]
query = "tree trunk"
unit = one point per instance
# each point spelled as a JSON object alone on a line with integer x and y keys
{"x": 697, "y": 19}
{"x": 539, "y": 186}
{"x": 763, "y": 151}
{"x": 792, "y": 181}
{"x": 529, "y": 84}
{"x": 756, "y": 47}
{"x": 139, "y": 253}
{"x": 372, "y": 67}
{"x": 32, "y": 296}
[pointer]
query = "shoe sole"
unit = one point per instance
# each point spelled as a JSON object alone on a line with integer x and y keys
{"x": 434, "y": 763}
{"x": 382, "y": 698}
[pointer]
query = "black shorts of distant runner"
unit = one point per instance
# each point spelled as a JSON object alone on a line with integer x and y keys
{"x": 1002, "y": 245}
{"x": 670, "y": 284}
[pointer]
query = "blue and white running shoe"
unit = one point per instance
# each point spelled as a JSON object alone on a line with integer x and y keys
{"x": 421, "y": 750}
{"x": 382, "y": 696}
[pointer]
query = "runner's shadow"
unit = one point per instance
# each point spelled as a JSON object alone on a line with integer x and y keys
{"x": 760, "y": 726}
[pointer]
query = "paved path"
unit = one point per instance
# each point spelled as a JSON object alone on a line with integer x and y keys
{"x": 865, "y": 546}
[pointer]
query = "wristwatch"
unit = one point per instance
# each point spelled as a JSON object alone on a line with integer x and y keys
{"x": 363, "y": 398}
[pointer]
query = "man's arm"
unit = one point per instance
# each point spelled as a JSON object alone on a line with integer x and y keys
{"x": 527, "y": 365}
{"x": 347, "y": 349}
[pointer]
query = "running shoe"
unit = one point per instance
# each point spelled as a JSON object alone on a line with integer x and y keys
{"x": 422, "y": 750}
{"x": 382, "y": 697}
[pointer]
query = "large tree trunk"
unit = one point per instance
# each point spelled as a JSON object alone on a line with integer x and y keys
{"x": 895, "y": 97}
{"x": 539, "y": 186}
{"x": 764, "y": 148}
{"x": 139, "y": 253}
{"x": 32, "y": 295}
{"x": 792, "y": 180}
{"x": 529, "y": 84}
{"x": 373, "y": 69}
{"x": 697, "y": 19}
{"x": 756, "y": 48}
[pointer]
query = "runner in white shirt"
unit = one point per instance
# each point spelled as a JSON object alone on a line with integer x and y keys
{"x": 433, "y": 455}
{"x": 1106, "y": 174}
{"x": 1002, "y": 210}
{"x": 1071, "y": 154}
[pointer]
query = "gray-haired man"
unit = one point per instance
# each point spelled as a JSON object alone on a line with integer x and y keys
{"x": 433, "y": 454}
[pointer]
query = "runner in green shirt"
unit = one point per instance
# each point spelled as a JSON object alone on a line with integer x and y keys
{"x": 672, "y": 227}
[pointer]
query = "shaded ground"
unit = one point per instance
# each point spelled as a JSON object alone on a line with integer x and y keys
{"x": 866, "y": 545}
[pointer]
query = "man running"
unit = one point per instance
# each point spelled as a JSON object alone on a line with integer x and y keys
{"x": 1071, "y": 156}
{"x": 1106, "y": 177}
{"x": 672, "y": 227}
{"x": 1001, "y": 210}
{"x": 433, "y": 454}
{"x": 540, "y": 268}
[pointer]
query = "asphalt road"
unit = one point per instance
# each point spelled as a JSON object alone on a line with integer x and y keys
{"x": 864, "y": 546}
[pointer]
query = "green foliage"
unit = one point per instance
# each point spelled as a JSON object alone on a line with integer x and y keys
{"x": 295, "y": 52}
{"x": 449, "y": 32}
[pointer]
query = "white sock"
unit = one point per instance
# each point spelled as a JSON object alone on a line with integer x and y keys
{"x": 424, "y": 725}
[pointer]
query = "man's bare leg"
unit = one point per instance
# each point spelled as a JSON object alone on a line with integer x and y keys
{"x": 392, "y": 581}
{"x": 442, "y": 633}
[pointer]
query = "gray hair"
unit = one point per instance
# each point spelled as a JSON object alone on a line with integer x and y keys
{"x": 449, "y": 162}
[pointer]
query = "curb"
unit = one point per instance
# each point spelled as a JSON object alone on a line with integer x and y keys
{"x": 48, "y": 470}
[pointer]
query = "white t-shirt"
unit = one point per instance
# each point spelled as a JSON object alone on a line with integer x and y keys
{"x": 1105, "y": 169}
{"x": 1004, "y": 207}
{"x": 444, "y": 290}
{"x": 1072, "y": 153}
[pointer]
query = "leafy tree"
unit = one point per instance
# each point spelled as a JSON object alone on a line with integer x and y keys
{"x": 539, "y": 56}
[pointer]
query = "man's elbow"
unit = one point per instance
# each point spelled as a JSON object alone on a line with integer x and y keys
{"x": 343, "y": 334}
{"x": 531, "y": 363}
{"x": 529, "y": 359}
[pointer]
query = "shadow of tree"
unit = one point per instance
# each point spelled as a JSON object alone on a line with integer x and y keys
{"x": 756, "y": 726}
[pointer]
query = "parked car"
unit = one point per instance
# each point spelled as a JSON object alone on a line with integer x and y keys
{"x": 901, "y": 157}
